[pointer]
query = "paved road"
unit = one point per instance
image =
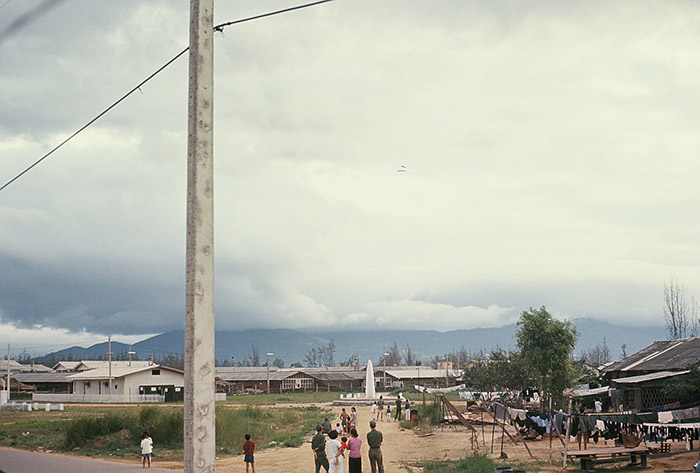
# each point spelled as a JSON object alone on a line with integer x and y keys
{"x": 19, "y": 461}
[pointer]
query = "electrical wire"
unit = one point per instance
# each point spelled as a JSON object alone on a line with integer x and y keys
{"x": 217, "y": 28}
{"x": 27, "y": 18}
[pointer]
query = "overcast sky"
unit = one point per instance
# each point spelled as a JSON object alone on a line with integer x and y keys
{"x": 551, "y": 155}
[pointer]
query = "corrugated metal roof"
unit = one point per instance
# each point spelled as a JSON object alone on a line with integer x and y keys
{"x": 29, "y": 378}
{"x": 234, "y": 375}
{"x": 662, "y": 356}
{"x": 649, "y": 377}
{"x": 96, "y": 364}
{"x": 117, "y": 372}
{"x": 591, "y": 392}
{"x": 14, "y": 366}
{"x": 66, "y": 365}
{"x": 417, "y": 373}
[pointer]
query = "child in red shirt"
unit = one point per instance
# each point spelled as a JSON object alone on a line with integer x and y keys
{"x": 249, "y": 449}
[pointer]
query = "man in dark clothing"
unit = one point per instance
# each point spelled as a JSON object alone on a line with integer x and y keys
{"x": 374, "y": 440}
{"x": 326, "y": 426}
{"x": 318, "y": 445}
{"x": 397, "y": 416}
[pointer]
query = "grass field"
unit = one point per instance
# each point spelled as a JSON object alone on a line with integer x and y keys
{"x": 114, "y": 431}
{"x": 284, "y": 398}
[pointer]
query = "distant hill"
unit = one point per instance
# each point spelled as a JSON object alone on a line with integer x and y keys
{"x": 94, "y": 352}
{"x": 292, "y": 345}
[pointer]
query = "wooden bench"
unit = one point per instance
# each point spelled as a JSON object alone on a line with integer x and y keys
{"x": 638, "y": 455}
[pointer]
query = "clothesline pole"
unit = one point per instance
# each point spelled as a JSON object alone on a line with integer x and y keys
{"x": 483, "y": 429}
{"x": 503, "y": 426}
{"x": 568, "y": 433}
{"x": 493, "y": 429}
{"x": 551, "y": 425}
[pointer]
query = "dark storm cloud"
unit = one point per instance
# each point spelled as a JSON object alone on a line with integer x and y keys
{"x": 87, "y": 295}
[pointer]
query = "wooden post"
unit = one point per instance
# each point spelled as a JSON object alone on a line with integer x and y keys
{"x": 551, "y": 428}
{"x": 493, "y": 428}
{"x": 568, "y": 432}
{"x": 483, "y": 429}
{"x": 503, "y": 432}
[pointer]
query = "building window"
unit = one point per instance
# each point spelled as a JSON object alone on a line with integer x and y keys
{"x": 155, "y": 372}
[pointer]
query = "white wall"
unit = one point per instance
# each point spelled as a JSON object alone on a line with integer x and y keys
{"x": 129, "y": 385}
{"x": 146, "y": 378}
{"x": 96, "y": 398}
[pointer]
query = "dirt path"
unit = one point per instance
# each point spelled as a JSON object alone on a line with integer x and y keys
{"x": 405, "y": 447}
{"x": 398, "y": 447}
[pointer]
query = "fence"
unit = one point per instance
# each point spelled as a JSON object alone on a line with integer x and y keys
{"x": 98, "y": 398}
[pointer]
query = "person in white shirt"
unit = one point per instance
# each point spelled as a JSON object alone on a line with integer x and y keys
{"x": 335, "y": 453}
{"x": 146, "y": 449}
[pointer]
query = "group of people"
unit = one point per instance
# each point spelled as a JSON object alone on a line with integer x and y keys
{"x": 330, "y": 455}
{"x": 402, "y": 406}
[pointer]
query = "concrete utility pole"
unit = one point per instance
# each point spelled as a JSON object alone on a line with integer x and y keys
{"x": 109, "y": 357}
{"x": 8, "y": 372}
{"x": 200, "y": 420}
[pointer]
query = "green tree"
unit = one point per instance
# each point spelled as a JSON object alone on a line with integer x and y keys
{"x": 498, "y": 371}
{"x": 545, "y": 344}
{"x": 684, "y": 388}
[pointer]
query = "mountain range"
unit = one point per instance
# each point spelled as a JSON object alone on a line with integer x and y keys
{"x": 293, "y": 345}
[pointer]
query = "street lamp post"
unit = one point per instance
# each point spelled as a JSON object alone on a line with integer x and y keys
{"x": 385, "y": 355}
{"x": 446, "y": 365}
{"x": 268, "y": 368}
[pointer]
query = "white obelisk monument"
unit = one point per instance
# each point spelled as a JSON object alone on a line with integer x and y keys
{"x": 369, "y": 381}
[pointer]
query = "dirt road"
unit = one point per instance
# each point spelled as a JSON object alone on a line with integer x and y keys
{"x": 401, "y": 447}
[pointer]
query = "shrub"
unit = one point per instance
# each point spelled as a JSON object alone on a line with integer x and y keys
{"x": 80, "y": 431}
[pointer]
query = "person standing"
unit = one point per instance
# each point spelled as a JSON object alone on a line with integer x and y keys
{"x": 146, "y": 449}
{"x": 335, "y": 453}
{"x": 374, "y": 410}
{"x": 353, "y": 417}
{"x": 374, "y": 440}
{"x": 345, "y": 421}
{"x": 318, "y": 445}
{"x": 355, "y": 456}
{"x": 327, "y": 427}
{"x": 249, "y": 450}
{"x": 397, "y": 415}
{"x": 408, "y": 410}
{"x": 380, "y": 408}
{"x": 598, "y": 406}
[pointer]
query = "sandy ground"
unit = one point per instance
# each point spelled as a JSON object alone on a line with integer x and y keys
{"x": 404, "y": 448}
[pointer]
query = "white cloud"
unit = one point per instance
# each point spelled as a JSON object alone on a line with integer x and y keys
{"x": 551, "y": 154}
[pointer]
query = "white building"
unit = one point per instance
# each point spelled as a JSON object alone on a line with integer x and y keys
{"x": 122, "y": 383}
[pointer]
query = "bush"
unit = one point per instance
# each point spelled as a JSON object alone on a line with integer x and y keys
{"x": 406, "y": 424}
{"x": 431, "y": 411}
{"x": 474, "y": 464}
{"x": 80, "y": 431}
{"x": 164, "y": 425}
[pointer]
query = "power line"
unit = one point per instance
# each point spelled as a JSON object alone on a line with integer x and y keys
{"x": 27, "y": 18}
{"x": 218, "y": 28}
